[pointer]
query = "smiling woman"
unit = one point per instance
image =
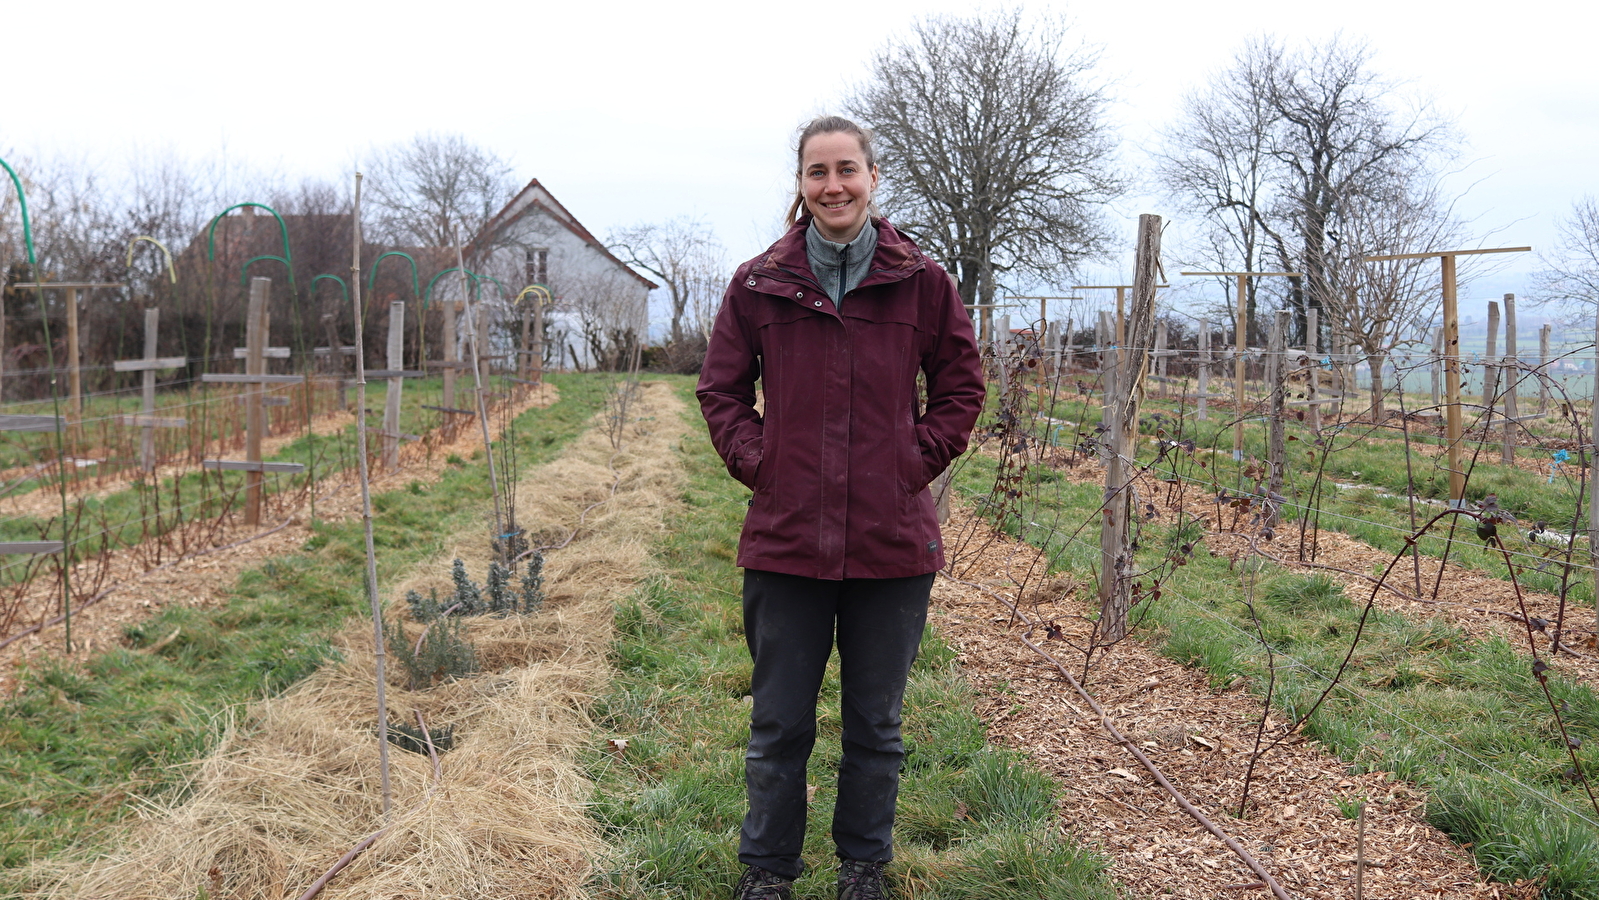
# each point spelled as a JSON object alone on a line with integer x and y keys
{"x": 837, "y": 320}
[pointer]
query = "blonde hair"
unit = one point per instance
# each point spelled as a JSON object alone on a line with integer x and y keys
{"x": 827, "y": 125}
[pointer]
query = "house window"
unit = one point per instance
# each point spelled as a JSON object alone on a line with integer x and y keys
{"x": 538, "y": 265}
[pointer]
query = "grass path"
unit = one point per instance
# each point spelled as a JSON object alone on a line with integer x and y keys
{"x": 975, "y": 821}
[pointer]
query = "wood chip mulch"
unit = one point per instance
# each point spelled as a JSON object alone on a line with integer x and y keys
{"x": 1201, "y": 739}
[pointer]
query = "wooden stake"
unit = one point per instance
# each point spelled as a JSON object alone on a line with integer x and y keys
{"x": 536, "y": 371}
{"x": 1452, "y": 418}
{"x": 255, "y": 339}
{"x": 1277, "y": 367}
{"x": 391, "y": 406}
{"x": 1512, "y": 375}
{"x": 74, "y": 376}
{"x": 1437, "y": 367}
{"x": 1313, "y": 354}
{"x": 1241, "y": 344}
{"x": 1543, "y": 360}
{"x": 1107, "y": 367}
{"x": 1452, "y": 426}
{"x": 1115, "y": 556}
{"x": 1490, "y": 371}
{"x": 1204, "y": 370}
{"x": 452, "y": 356}
{"x": 148, "y": 365}
{"x": 366, "y": 511}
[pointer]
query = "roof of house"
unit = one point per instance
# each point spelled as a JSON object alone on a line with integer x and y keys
{"x": 537, "y": 197}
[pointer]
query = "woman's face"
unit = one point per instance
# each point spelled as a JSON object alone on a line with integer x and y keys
{"x": 837, "y": 184}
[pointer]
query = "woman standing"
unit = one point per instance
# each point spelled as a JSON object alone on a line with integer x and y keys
{"x": 836, "y": 320}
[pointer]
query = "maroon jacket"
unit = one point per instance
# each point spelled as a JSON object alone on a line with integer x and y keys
{"x": 841, "y": 461}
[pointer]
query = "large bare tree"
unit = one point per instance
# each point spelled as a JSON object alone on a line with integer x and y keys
{"x": 994, "y": 148}
{"x": 435, "y": 189}
{"x": 1281, "y": 149}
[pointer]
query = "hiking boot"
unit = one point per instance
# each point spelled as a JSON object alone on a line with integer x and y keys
{"x": 859, "y": 880}
{"x": 759, "y": 884}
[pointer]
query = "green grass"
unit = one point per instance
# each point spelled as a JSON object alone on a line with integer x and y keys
{"x": 1463, "y": 717}
{"x": 76, "y": 748}
{"x": 974, "y": 821}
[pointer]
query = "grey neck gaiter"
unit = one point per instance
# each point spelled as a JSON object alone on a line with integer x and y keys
{"x": 840, "y": 268}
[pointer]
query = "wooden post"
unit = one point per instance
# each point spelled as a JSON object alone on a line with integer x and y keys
{"x": 1107, "y": 366}
{"x": 536, "y": 373}
{"x": 1457, "y": 475}
{"x": 1511, "y": 374}
{"x": 1543, "y": 360}
{"x": 1115, "y": 557}
{"x": 335, "y": 353}
{"x": 452, "y": 356}
{"x": 1490, "y": 372}
{"x": 1313, "y": 354}
{"x": 1277, "y": 367}
{"x": 391, "y": 405}
{"x": 1241, "y": 344}
{"x": 523, "y": 359}
{"x": 255, "y": 379}
{"x": 1204, "y": 370}
{"x": 74, "y": 376}
{"x": 1160, "y": 357}
{"x": 1437, "y": 367}
{"x": 1593, "y": 471}
{"x": 1066, "y": 355}
{"x": 1452, "y": 418}
{"x": 484, "y": 358}
{"x": 255, "y": 340}
{"x": 148, "y": 365}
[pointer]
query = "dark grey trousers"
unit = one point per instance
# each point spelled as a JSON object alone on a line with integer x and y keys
{"x": 789, "y": 624}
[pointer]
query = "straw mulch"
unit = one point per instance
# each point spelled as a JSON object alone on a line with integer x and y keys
{"x": 294, "y": 781}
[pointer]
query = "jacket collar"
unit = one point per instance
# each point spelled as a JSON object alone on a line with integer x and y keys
{"x": 896, "y": 256}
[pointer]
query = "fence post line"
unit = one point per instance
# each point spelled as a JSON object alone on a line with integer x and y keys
{"x": 1490, "y": 372}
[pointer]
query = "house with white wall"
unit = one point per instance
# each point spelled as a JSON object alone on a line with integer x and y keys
{"x": 600, "y": 302}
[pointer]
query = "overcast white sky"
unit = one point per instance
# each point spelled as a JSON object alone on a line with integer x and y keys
{"x": 639, "y": 111}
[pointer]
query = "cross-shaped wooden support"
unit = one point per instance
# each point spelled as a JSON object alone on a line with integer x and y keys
{"x": 451, "y": 364}
{"x": 74, "y": 374}
{"x": 1451, "y": 310}
{"x": 33, "y": 423}
{"x": 335, "y": 354}
{"x": 1241, "y": 340}
{"x": 255, "y": 337}
{"x": 147, "y": 420}
{"x": 395, "y": 373}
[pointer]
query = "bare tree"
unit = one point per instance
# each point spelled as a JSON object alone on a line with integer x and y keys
{"x": 606, "y": 311}
{"x": 1280, "y": 149}
{"x": 995, "y": 152}
{"x": 683, "y": 253}
{"x": 1384, "y": 304}
{"x": 435, "y": 189}
{"x": 1571, "y": 273}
